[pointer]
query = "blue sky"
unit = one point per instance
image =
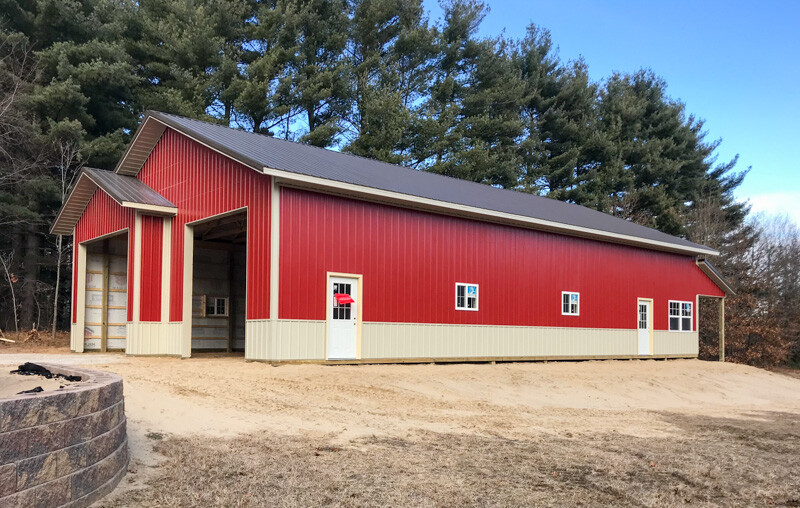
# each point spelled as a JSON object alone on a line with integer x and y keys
{"x": 734, "y": 64}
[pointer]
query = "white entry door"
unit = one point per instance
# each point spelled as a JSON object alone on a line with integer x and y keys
{"x": 342, "y": 318}
{"x": 645, "y": 319}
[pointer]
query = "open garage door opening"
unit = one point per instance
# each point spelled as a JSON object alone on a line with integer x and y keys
{"x": 219, "y": 284}
{"x": 106, "y": 304}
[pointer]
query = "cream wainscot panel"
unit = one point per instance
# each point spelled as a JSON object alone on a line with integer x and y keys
{"x": 285, "y": 340}
{"x": 423, "y": 340}
{"x": 289, "y": 340}
{"x": 675, "y": 343}
{"x": 154, "y": 338}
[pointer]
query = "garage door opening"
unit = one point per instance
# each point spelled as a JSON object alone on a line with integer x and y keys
{"x": 219, "y": 284}
{"x": 106, "y": 304}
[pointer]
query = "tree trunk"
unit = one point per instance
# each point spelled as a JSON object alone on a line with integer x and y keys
{"x": 9, "y": 278}
{"x": 30, "y": 276}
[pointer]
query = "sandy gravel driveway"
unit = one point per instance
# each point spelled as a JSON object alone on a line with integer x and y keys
{"x": 221, "y": 396}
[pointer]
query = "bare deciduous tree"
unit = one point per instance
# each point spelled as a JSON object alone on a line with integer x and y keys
{"x": 69, "y": 164}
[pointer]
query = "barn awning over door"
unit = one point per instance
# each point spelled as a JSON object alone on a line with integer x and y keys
{"x": 343, "y": 298}
{"x": 127, "y": 191}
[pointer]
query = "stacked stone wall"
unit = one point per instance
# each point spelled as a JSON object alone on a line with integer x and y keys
{"x": 63, "y": 448}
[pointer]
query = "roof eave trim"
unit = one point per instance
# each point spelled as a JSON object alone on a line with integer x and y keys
{"x": 715, "y": 276}
{"x": 151, "y": 209}
{"x": 483, "y": 212}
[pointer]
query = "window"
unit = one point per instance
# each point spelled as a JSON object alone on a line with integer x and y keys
{"x": 341, "y": 310}
{"x": 570, "y": 303}
{"x": 680, "y": 316}
{"x": 466, "y": 296}
{"x": 216, "y": 306}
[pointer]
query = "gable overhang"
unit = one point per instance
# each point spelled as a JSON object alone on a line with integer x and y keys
{"x": 715, "y": 276}
{"x": 154, "y": 125}
{"x": 149, "y": 134}
{"x": 143, "y": 142}
{"x": 79, "y": 197}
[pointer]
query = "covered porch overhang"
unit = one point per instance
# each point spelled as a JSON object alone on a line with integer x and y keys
{"x": 127, "y": 191}
{"x": 727, "y": 290}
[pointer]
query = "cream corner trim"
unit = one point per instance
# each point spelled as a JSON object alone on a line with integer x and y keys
{"x": 188, "y": 273}
{"x": 80, "y": 321}
{"x": 274, "y": 250}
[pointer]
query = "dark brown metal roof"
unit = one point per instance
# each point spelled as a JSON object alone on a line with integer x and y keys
{"x": 260, "y": 151}
{"x": 125, "y": 190}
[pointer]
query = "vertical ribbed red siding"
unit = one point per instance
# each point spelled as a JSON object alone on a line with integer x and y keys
{"x": 152, "y": 244}
{"x": 411, "y": 261}
{"x": 202, "y": 183}
{"x": 102, "y": 216}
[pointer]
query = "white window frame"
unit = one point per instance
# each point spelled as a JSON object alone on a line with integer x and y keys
{"x": 680, "y": 315}
{"x": 561, "y": 303}
{"x": 206, "y": 299}
{"x": 466, "y": 298}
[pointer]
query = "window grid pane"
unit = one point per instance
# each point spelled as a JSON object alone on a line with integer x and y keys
{"x": 680, "y": 316}
{"x": 570, "y": 303}
{"x": 466, "y": 297}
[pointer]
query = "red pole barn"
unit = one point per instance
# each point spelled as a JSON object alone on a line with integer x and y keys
{"x": 210, "y": 238}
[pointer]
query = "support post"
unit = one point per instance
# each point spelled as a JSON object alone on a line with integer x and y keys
{"x": 231, "y": 309}
{"x": 188, "y": 275}
{"x": 722, "y": 329}
{"x": 104, "y": 320}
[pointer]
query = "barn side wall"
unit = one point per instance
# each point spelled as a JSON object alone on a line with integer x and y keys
{"x": 410, "y": 261}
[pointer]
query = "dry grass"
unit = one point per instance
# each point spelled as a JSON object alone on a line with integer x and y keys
{"x": 712, "y": 462}
{"x": 40, "y": 341}
{"x": 787, "y": 371}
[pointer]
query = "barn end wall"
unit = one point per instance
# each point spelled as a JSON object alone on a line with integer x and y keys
{"x": 102, "y": 216}
{"x": 66, "y": 447}
{"x": 202, "y": 183}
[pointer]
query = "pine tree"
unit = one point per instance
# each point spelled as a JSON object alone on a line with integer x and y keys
{"x": 187, "y": 53}
{"x": 652, "y": 157}
{"x": 559, "y": 117}
{"x": 318, "y": 68}
{"x": 436, "y": 137}
{"x": 388, "y": 52}
{"x": 489, "y": 124}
